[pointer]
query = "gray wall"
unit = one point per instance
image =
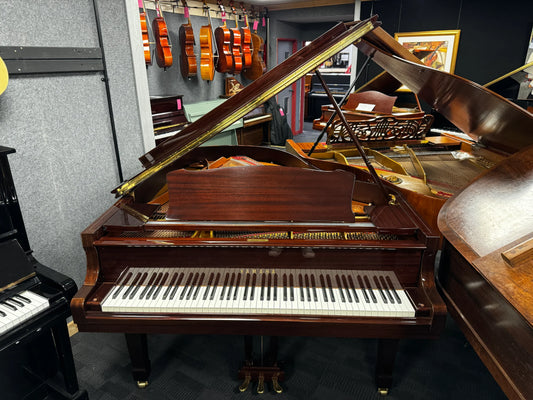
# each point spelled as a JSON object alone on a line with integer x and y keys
{"x": 59, "y": 124}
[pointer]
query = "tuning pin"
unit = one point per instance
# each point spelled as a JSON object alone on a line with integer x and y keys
{"x": 246, "y": 383}
{"x": 261, "y": 384}
{"x": 275, "y": 385}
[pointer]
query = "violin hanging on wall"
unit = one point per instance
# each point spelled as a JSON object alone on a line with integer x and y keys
{"x": 223, "y": 43}
{"x": 144, "y": 30}
{"x": 235, "y": 45}
{"x": 187, "y": 57}
{"x": 207, "y": 64}
{"x": 162, "y": 41}
{"x": 246, "y": 41}
{"x": 258, "y": 67}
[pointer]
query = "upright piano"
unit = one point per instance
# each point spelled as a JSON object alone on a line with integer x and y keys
{"x": 35, "y": 354}
{"x": 273, "y": 246}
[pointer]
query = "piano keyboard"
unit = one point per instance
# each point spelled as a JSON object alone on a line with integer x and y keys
{"x": 19, "y": 308}
{"x": 259, "y": 291}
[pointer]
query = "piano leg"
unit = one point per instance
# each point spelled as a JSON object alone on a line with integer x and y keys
{"x": 140, "y": 363}
{"x": 65, "y": 357}
{"x": 387, "y": 349}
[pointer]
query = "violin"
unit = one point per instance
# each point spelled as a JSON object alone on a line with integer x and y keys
{"x": 187, "y": 57}
{"x": 246, "y": 39}
{"x": 235, "y": 45}
{"x": 223, "y": 43}
{"x": 144, "y": 31}
{"x": 162, "y": 41}
{"x": 207, "y": 65}
{"x": 258, "y": 67}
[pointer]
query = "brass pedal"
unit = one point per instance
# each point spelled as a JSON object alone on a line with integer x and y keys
{"x": 246, "y": 383}
{"x": 383, "y": 391}
{"x": 275, "y": 384}
{"x": 261, "y": 384}
{"x": 142, "y": 384}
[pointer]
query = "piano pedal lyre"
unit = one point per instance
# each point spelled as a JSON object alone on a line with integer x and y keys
{"x": 261, "y": 375}
{"x": 142, "y": 384}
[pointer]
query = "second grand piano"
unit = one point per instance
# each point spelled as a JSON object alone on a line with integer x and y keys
{"x": 277, "y": 247}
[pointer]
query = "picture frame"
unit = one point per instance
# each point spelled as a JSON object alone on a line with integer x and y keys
{"x": 440, "y": 46}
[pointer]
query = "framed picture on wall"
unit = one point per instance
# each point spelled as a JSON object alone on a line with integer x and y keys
{"x": 436, "y": 49}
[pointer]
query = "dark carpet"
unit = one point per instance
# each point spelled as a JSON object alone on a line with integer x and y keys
{"x": 205, "y": 367}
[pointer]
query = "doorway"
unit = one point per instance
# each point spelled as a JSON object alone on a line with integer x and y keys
{"x": 289, "y": 97}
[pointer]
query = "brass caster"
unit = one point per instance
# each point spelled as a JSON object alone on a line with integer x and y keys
{"x": 261, "y": 384}
{"x": 246, "y": 383}
{"x": 142, "y": 384}
{"x": 383, "y": 391}
{"x": 275, "y": 385}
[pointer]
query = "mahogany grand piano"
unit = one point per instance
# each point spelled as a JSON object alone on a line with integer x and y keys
{"x": 281, "y": 247}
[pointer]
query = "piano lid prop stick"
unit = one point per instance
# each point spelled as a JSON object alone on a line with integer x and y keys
{"x": 353, "y": 136}
{"x": 343, "y": 100}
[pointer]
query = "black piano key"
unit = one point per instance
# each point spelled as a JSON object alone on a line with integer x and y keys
{"x": 275, "y": 287}
{"x": 214, "y": 288}
{"x": 237, "y": 283}
{"x": 123, "y": 283}
{"x": 313, "y": 284}
{"x": 269, "y": 287}
{"x": 10, "y": 306}
{"x": 224, "y": 285}
{"x": 370, "y": 291}
{"x": 135, "y": 281}
{"x": 301, "y": 283}
{"x": 17, "y": 303}
{"x": 352, "y": 286}
{"x": 291, "y": 287}
{"x": 160, "y": 286}
{"x": 209, "y": 282}
{"x": 252, "y": 288}
{"x": 284, "y": 287}
{"x": 170, "y": 285}
{"x": 343, "y": 299}
{"x": 176, "y": 286}
{"x": 2, "y": 314}
{"x": 198, "y": 285}
{"x": 386, "y": 289}
{"x": 186, "y": 286}
{"x": 231, "y": 283}
{"x": 138, "y": 285}
{"x": 246, "y": 285}
{"x": 22, "y": 298}
{"x": 192, "y": 286}
{"x": 380, "y": 290}
{"x": 330, "y": 287}
{"x": 324, "y": 289}
{"x": 363, "y": 289}
{"x": 148, "y": 285}
{"x": 346, "y": 288}
{"x": 263, "y": 284}
{"x": 398, "y": 299}
{"x": 154, "y": 286}
{"x": 307, "y": 287}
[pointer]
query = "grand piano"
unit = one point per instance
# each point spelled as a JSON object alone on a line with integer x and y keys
{"x": 272, "y": 245}
{"x": 36, "y": 359}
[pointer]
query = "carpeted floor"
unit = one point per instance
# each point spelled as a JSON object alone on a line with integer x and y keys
{"x": 205, "y": 367}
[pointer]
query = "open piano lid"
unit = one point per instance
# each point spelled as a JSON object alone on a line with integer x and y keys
{"x": 482, "y": 114}
{"x": 305, "y": 60}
